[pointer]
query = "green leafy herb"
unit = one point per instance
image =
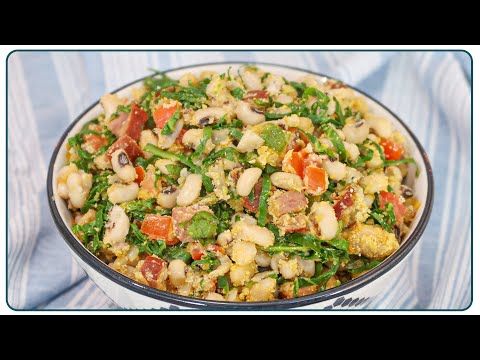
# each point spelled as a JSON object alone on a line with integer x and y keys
{"x": 269, "y": 169}
{"x": 207, "y": 182}
{"x": 317, "y": 146}
{"x": 311, "y": 91}
{"x": 357, "y": 266}
{"x": 208, "y": 262}
{"x": 174, "y": 169}
{"x": 338, "y": 110}
{"x": 223, "y": 212}
{"x": 159, "y": 81}
{"x": 238, "y": 93}
{"x": 203, "y": 225}
{"x": 190, "y": 97}
{"x": 207, "y": 135}
{"x": 300, "y": 87}
{"x": 98, "y": 192}
{"x": 171, "y": 124}
{"x": 223, "y": 285}
{"x": 384, "y": 217}
{"x": 263, "y": 203}
{"x": 275, "y": 116}
{"x": 137, "y": 209}
{"x": 143, "y": 243}
{"x": 398, "y": 162}
{"x": 121, "y": 108}
{"x": 366, "y": 154}
{"x": 274, "y": 137}
{"x": 92, "y": 233}
{"x": 336, "y": 141}
{"x": 177, "y": 252}
{"x": 228, "y": 153}
{"x": 236, "y": 133}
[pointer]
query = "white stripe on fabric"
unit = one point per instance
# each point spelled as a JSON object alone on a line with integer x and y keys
{"x": 121, "y": 68}
{"x": 24, "y": 209}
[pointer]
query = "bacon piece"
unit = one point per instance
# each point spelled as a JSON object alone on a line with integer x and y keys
{"x": 129, "y": 124}
{"x": 126, "y": 143}
{"x": 287, "y": 202}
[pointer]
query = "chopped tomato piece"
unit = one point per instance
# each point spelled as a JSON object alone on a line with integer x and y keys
{"x": 126, "y": 143}
{"x": 158, "y": 227}
{"x": 298, "y": 164}
{"x": 196, "y": 253}
{"x": 151, "y": 268}
{"x": 315, "y": 179}
{"x": 256, "y": 94}
{"x": 344, "y": 202}
{"x": 252, "y": 206}
{"x": 140, "y": 174}
{"x": 95, "y": 141}
{"x": 216, "y": 248}
{"x": 162, "y": 114}
{"x": 398, "y": 208}
{"x": 392, "y": 151}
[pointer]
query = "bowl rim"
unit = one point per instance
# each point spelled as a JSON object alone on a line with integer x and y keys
{"x": 90, "y": 259}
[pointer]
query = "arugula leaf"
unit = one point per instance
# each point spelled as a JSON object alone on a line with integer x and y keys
{"x": 263, "y": 203}
{"x": 238, "y": 93}
{"x": 339, "y": 112}
{"x": 274, "y": 137}
{"x": 275, "y": 116}
{"x": 317, "y": 146}
{"x": 228, "y": 153}
{"x": 311, "y": 91}
{"x": 140, "y": 161}
{"x": 203, "y": 225}
{"x": 190, "y": 97}
{"x": 121, "y": 108}
{"x": 366, "y": 154}
{"x": 383, "y": 217}
{"x": 171, "y": 124}
{"x": 336, "y": 141}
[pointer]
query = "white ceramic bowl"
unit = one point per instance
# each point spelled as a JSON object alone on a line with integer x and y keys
{"x": 356, "y": 293}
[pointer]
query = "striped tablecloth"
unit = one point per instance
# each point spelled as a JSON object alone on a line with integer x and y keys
{"x": 430, "y": 91}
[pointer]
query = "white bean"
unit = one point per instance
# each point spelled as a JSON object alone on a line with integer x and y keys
{"x": 224, "y": 238}
{"x": 78, "y": 185}
{"x": 352, "y": 151}
{"x": 117, "y": 226}
{"x": 307, "y": 267}
{"x": 110, "y": 103}
{"x": 207, "y": 116}
{"x": 119, "y": 193}
{"x": 260, "y": 236}
{"x": 243, "y": 252}
{"x": 247, "y": 181}
{"x": 165, "y": 141}
{"x": 176, "y": 272}
{"x": 323, "y": 216}
{"x": 214, "y": 296}
{"x": 356, "y": 132}
{"x": 284, "y": 99}
{"x": 250, "y": 141}
{"x": 122, "y": 166}
{"x": 262, "y": 258}
{"x": 289, "y": 268}
{"x": 275, "y": 260}
{"x": 394, "y": 172}
{"x": 336, "y": 170}
{"x": 167, "y": 198}
{"x": 263, "y": 290}
{"x": 187, "y": 79}
{"x": 192, "y": 138}
{"x": 381, "y": 126}
{"x": 240, "y": 274}
{"x": 251, "y": 79}
{"x": 232, "y": 295}
{"x": 287, "y": 181}
{"x": 190, "y": 190}
{"x": 225, "y": 264}
{"x": 247, "y": 115}
{"x": 147, "y": 137}
{"x": 374, "y": 183}
{"x": 273, "y": 84}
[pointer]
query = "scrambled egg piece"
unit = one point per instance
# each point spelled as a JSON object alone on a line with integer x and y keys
{"x": 370, "y": 241}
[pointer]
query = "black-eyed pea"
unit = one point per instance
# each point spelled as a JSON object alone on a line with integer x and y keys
{"x": 190, "y": 190}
